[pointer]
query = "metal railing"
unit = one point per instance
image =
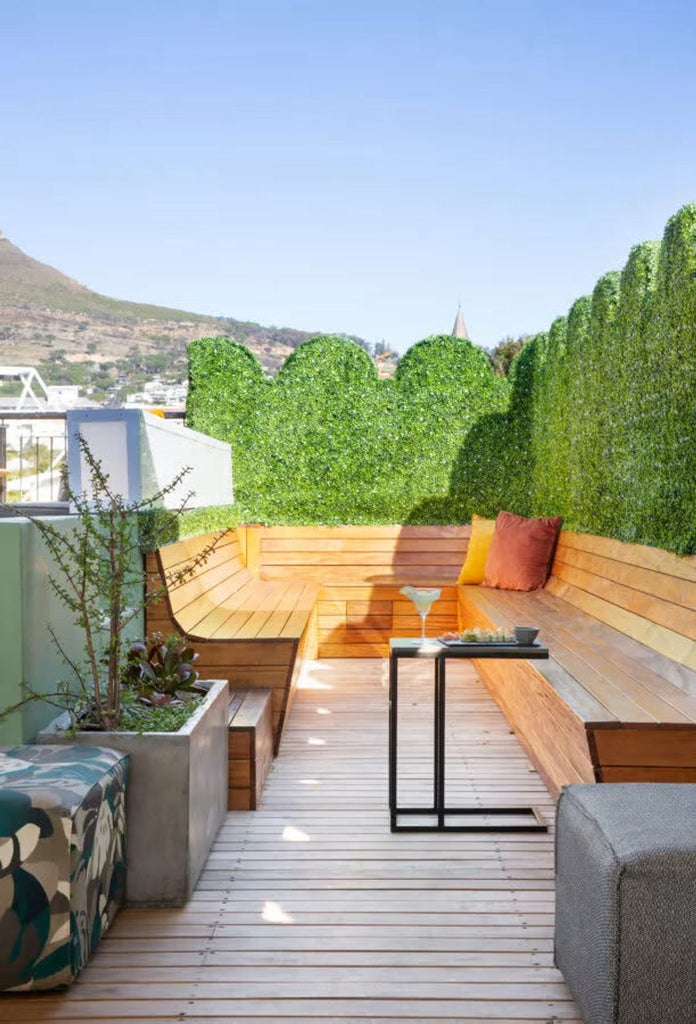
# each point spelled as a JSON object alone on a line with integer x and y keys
{"x": 32, "y": 458}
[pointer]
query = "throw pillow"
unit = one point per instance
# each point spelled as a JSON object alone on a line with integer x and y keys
{"x": 474, "y": 566}
{"x": 521, "y": 552}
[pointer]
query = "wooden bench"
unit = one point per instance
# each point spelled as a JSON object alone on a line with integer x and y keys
{"x": 617, "y": 700}
{"x": 249, "y": 631}
{"x": 360, "y": 571}
{"x": 250, "y": 747}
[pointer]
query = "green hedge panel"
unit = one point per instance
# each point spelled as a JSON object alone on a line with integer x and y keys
{"x": 596, "y": 420}
{"x": 633, "y": 399}
{"x": 607, "y": 403}
{"x": 670, "y": 453}
{"x": 329, "y": 442}
{"x": 550, "y": 428}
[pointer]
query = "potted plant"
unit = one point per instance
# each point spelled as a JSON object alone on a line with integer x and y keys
{"x": 177, "y": 795}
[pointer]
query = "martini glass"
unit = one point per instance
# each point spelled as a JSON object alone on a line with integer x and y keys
{"x": 423, "y": 598}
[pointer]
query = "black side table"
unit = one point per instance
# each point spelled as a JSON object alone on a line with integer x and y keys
{"x": 440, "y": 653}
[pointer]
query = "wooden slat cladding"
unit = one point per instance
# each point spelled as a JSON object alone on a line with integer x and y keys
{"x": 548, "y": 727}
{"x": 653, "y": 582}
{"x": 244, "y": 663}
{"x": 646, "y": 593}
{"x": 620, "y": 622}
{"x": 250, "y": 747}
{"x": 360, "y": 570}
{"x": 222, "y": 600}
{"x": 357, "y": 621}
{"x": 664, "y": 562}
{"x": 370, "y": 554}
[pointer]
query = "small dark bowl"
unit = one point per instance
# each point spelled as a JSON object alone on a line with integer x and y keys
{"x": 526, "y": 634}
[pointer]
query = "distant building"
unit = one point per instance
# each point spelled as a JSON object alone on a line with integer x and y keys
{"x": 459, "y": 330}
{"x": 65, "y": 396}
{"x": 156, "y": 393}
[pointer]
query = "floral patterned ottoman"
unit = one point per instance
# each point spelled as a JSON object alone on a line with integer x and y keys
{"x": 62, "y": 859}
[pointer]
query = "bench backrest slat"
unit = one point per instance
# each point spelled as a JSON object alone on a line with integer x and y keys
{"x": 646, "y": 593}
{"x": 356, "y": 554}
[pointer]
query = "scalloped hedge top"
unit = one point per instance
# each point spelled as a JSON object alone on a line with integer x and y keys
{"x": 597, "y": 421}
{"x": 328, "y": 441}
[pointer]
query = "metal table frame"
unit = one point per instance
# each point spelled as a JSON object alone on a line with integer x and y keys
{"x": 440, "y": 653}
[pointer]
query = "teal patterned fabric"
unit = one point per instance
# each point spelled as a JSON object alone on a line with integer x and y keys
{"x": 62, "y": 859}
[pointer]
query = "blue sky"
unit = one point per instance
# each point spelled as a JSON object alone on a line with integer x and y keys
{"x": 353, "y": 167}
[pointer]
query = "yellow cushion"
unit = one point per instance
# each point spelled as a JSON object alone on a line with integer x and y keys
{"x": 474, "y": 567}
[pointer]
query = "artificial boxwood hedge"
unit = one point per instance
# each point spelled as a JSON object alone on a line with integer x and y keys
{"x": 595, "y": 422}
{"x": 327, "y": 441}
{"x": 601, "y": 426}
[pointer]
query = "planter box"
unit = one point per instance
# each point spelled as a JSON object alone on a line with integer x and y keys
{"x": 177, "y": 798}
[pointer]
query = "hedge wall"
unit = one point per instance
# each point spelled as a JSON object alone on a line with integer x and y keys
{"x": 602, "y": 417}
{"x": 596, "y": 421}
{"x": 329, "y": 442}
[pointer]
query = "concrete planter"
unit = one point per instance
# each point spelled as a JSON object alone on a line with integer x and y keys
{"x": 176, "y": 800}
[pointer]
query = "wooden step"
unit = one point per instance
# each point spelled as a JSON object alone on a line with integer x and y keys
{"x": 250, "y": 747}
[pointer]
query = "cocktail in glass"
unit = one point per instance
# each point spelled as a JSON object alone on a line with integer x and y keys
{"x": 423, "y": 598}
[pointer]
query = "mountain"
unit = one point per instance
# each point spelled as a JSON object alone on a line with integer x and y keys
{"x": 74, "y": 335}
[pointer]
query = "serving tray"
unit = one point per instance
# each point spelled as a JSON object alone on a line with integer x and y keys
{"x": 487, "y": 643}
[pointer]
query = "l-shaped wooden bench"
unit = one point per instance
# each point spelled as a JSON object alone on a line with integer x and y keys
{"x": 616, "y": 701}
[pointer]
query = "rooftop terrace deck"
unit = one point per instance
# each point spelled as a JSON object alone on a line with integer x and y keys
{"x": 311, "y": 910}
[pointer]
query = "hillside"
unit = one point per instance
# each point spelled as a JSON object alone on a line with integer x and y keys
{"x": 75, "y": 335}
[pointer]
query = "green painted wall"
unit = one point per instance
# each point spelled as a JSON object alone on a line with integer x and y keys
{"x": 11, "y": 729}
{"x": 27, "y": 606}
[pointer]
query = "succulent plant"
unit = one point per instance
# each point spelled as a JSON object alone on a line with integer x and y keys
{"x": 163, "y": 666}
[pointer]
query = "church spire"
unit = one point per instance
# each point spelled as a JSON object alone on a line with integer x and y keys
{"x": 459, "y": 330}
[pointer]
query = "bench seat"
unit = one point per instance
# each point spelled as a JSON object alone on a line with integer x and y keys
{"x": 616, "y": 702}
{"x": 250, "y": 631}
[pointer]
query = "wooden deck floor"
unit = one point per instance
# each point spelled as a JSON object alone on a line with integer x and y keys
{"x": 311, "y": 910}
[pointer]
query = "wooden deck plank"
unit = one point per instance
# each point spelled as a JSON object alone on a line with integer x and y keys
{"x": 311, "y": 909}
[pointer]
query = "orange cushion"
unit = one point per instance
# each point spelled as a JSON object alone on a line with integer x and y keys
{"x": 474, "y": 567}
{"x": 521, "y": 552}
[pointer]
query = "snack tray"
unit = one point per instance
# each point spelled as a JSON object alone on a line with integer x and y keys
{"x": 487, "y": 643}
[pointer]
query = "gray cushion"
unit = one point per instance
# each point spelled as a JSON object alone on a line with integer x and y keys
{"x": 626, "y": 901}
